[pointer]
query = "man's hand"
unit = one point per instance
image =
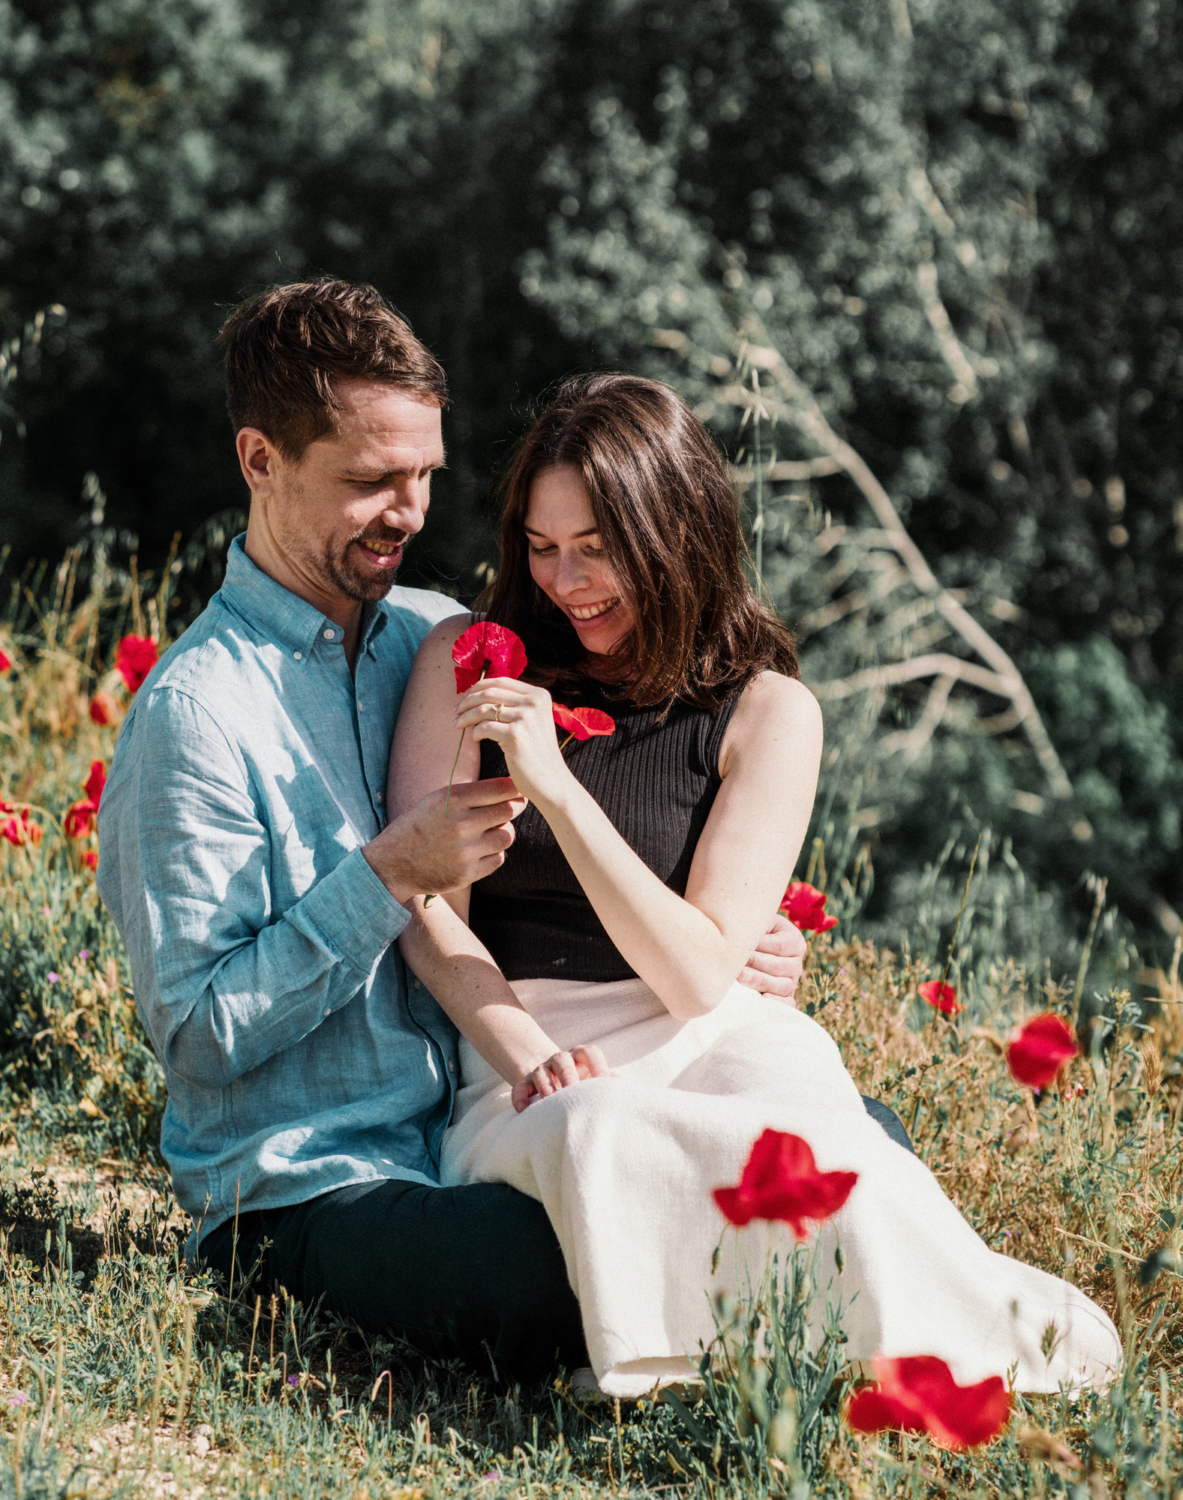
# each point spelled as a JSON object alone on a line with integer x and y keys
{"x": 559, "y": 1072}
{"x": 428, "y": 850}
{"x": 778, "y": 962}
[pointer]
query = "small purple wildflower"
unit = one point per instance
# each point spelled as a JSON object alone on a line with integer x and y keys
{"x": 18, "y": 1398}
{"x": 53, "y": 978}
{"x": 492, "y": 1474}
{"x": 84, "y": 955}
{"x": 293, "y": 1380}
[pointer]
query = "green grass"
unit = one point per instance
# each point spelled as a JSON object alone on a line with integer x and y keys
{"x": 122, "y": 1373}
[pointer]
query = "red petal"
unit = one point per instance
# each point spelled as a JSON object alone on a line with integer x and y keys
{"x": 5, "y": 663}
{"x": 487, "y": 650}
{"x": 583, "y": 723}
{"x": 940, "y": 996}
{"x": 102, "y": 710}
{"x": 869, "y": 1410}
{"x": 135, "y": 657}
{"x": 95, "y": 782}
{"x": 1038, "y": 1050}
{"x": 958, "y": 1416}
{"x": 780, "y": 1181}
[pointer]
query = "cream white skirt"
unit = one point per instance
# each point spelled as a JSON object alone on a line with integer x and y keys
{"x": 625, "y": 1167}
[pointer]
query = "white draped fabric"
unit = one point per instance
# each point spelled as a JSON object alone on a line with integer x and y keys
{"x": 625, "y": 1167}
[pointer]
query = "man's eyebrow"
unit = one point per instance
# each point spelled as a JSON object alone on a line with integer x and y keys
{"x": 373, "y": 475}
{"x": 591, "y": 531}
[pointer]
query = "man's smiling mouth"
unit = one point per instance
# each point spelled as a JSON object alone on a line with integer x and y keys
{"x": 380, "y": 549}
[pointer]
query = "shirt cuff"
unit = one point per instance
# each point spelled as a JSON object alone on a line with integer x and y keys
{"x": 352, "y": 913}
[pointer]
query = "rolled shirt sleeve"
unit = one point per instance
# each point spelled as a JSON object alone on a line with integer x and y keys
{"x": 236, "y": 982}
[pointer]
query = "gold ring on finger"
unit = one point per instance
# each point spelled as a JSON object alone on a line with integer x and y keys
{"x": 497, "y": 715}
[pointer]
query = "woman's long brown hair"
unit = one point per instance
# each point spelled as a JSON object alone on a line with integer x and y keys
{"x": 669, "y": 523}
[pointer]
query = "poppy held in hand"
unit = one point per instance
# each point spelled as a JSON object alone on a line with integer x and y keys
{"x": 1039, "y": 1050}
{"x": 781, "y": 1181}
{"x": 483, "y": 650}
{"x": 940, "y": 996}
{"x": 804, "y": 905}
{"x": 487, "y": 650}
{"x": 582, "y": 723}
{"x": 919, "y": 1394}
{"x": 135, "y": 656}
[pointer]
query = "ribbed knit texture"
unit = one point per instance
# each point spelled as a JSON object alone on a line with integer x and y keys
{"x": 657, "y": 783}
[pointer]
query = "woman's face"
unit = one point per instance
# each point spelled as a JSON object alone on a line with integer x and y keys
{"x": 567, "y": 562}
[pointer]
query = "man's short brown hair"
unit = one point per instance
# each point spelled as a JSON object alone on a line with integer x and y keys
{"x": 286, "y": 349}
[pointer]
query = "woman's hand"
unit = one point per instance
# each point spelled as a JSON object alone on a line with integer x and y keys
{"x": 559, "y": 1072}
{"x": 517, "y": 717}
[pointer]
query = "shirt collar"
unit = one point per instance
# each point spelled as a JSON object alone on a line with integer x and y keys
{"x": 277, "y": 613}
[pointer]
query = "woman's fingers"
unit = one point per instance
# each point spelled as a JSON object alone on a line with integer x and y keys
{"x": 562, "y": 1069}
{"x": 590, "y": 1062}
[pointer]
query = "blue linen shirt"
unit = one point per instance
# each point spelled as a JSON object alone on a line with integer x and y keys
{"x": 300, "y": 1054}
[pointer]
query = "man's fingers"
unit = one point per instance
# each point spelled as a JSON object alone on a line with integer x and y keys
{"x": 467, "y": 794}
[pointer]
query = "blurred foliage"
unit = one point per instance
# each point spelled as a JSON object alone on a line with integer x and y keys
{"x": 956, "y": 223}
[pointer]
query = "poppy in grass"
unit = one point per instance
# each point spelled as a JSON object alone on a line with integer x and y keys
{"x": 919, "y": 1394}
{"x": 781, "y": 1181}
{"x": 19, "y": 831}
{"x": 5, "y": 663}
{"x": 582, "y": 723}
{"x": 804, "y": 905}
{"x": 487, "y": 650}
{"x": 135, "y": 656}
{"x": 1038, "y": 1050}
{"x": 101, "y": 709}
{"x": 91, "y": 859}
{"x": 80, "y": 815}
{"x": 940, "y": 996}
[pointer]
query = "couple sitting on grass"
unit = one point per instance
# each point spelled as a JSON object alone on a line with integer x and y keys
{"x": 491, "y": 1121}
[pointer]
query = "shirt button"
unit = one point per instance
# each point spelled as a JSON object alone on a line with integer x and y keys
{"x": 360, "y": 707}
{"x": 377, "y": 796}
{"x": 299, "y": 655}
{"x": 451, "y": 1067}
{"x": 329, "y": 636}
{"x": 328, "y": 1013}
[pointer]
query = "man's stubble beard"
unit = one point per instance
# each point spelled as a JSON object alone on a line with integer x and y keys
{"x": 349, "y": 582}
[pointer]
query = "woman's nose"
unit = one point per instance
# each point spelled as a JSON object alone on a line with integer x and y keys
{"x": 572, "y": 574}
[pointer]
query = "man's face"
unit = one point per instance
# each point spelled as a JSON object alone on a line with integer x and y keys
{"x": 332, "y": 525}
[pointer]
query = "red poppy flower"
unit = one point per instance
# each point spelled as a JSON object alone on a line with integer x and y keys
{"x": 20, "y": 831}
{"x": 582, "y": 723}
{"x": 135, "y": 657}
{"x": 804, "y": 905}
{"x": 940, "y": 996}
{"x": 5, "y": 663}
{"x": 1038, "y": 1050}
{"x": 95, "y": 782}
{"x": 919, "y": 1394}
{"x": 781, "y": 1181}
{"x": 101, "y": 709}
{"x": 487, "y": 650}
{"x": 91, "y": 859}
{"x": 79, "y": 819}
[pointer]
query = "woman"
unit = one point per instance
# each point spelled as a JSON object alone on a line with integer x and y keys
{"x": 611, "y": 1066}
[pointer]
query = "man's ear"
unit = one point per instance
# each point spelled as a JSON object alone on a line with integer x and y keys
{"x": 257, "y": 458}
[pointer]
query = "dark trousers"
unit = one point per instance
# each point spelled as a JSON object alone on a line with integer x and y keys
{"x": 472, "y": 1272}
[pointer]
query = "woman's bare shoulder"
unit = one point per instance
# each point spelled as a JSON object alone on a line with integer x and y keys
{"x": 772, "y": 708}
{"x": 440, "y": 639}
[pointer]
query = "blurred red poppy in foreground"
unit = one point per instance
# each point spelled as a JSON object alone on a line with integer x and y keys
{"x": 101, "y": 709}
{"x": 582, "y": 723}
{"x": 781, "y": 1181}
{"x": 5, "y": 663}
{"x": 804, "y": 905}
{"x": 19, "y": 831}
{"x": 919, "y": 1394}
{"x": 135, "y": 656}
{"x": 80, "y": 815}
{"x": 1038, "y": 1050}
{"x": 940, "y": 996}
{"x": 91, "y": 859}
{"x": 487, "y": 650}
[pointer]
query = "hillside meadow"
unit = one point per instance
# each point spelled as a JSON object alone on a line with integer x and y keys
{"x": 122, "y": 1372}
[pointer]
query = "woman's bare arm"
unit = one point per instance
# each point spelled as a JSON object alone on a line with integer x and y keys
{"x": 688, "y": 950}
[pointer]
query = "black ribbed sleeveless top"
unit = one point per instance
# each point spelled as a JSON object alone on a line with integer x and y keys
{"x": 656, "y": 782}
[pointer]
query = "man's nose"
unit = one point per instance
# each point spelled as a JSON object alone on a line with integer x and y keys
{"x": 405, "y": 507}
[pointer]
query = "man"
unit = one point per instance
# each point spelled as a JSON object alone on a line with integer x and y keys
{"x": 249, "y": 867}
